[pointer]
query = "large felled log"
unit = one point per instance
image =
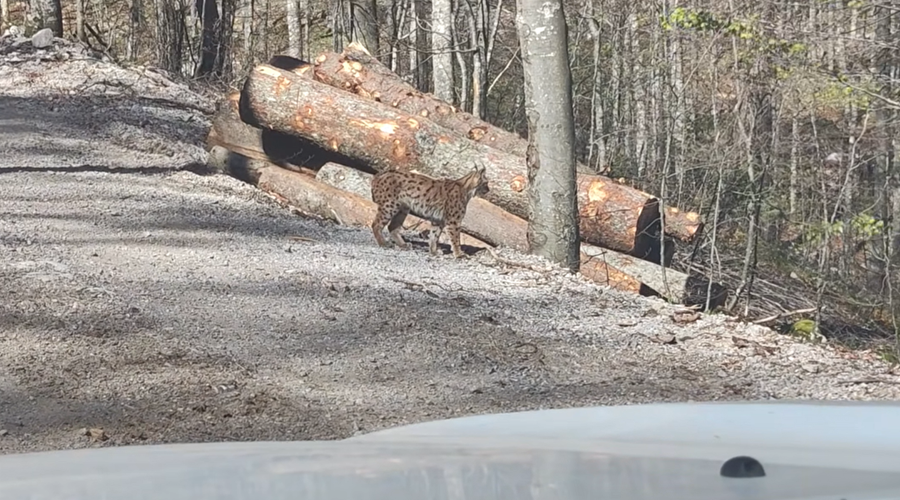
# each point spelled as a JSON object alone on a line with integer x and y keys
{"x": 311, "y": 196}
{"x": 498, "y": 227}
{"x": 384, "y": 137}
{"x": 285, "y": 150}
{"x": 357, "y": 71}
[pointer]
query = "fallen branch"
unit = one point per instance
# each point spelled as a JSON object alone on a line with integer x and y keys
{"x": 775, "y": 317}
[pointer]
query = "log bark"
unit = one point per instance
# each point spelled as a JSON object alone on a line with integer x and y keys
{"x": 312, "y": 197}
{"x": 285, "y": 150}
{"x": 384, "y": 138}
{"x": 497, "y": 227}
{"x": 355, "y": 70}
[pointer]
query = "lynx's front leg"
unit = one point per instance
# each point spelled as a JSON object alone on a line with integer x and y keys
{"x": 435, "y": 238}
{"x": 381, "y": 219}
{"x": 453, "y": 233}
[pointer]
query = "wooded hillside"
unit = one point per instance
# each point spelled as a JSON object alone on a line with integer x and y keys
{"x": 774, "y": 121}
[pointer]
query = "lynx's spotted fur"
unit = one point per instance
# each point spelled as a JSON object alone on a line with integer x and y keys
{"x": 443, "y": 202}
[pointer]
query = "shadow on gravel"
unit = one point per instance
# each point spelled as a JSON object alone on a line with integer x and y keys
{"x": 320, "y": 360}
{"x": 92, "y": 117}
{"x": 211, "y": 222}
{"x": 193, "y": 167}
{"x": 240, "y": 411}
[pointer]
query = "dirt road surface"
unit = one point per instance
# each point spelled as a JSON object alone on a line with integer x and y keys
{"x": 164, "y": 305}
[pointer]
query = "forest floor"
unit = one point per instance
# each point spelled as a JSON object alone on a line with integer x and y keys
{"x": 144, "y": 297}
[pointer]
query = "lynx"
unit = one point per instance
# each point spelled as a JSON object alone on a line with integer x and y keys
{"x": 443, "y": 202}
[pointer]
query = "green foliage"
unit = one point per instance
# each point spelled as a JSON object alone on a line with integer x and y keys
{"x": 816, "y": 233}
{"x": 888, "y": 354}
{"x": 804, "y": 327}
{"x": 838, "y": 94}
{"x": 867, "y": 226}
{"x": 703, "y": 21}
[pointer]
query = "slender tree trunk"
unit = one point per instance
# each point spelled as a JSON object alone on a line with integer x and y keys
{"x": 553, "y": 223}
{"x": 423, "y": 60}
{"x": 338, "y": 20}
{"x": 169, "y": 35}
{"x": 5, "y": 21}
{"x": 465, "y": 76}
{"x": 248, "y": 14}
{"x": 45, "y": 14}
{"x": 80, "y": 33}
{"x": 677, "y": 107}
{"x": 304, "y": 30}
{"x": 134, "y": 22}
{"x": 399, "y": 10}
{"x": 295, "y": 35}
{"x": 414, "y": 70}
{"x": 638, "y": 99}
{"x": 209, "y": 63}
{"x": 478, "y": 33}
{"x": 795, "y": 161}
{"x": 597, "y": 145}
{"x": 364, "y": 25}
{"x": 441, "y": 20}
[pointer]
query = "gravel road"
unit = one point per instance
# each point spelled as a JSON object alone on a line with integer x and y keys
{"x": 162, "y": 304}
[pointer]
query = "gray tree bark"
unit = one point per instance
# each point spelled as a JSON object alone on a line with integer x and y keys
{"x": 441, "y": 19}
{"x": 553, "y": 222}
{"x": 4, "y": 15}
{"x": 292, "y": 18}
{"x": 364, "y": 25}
{"x": 45, "y": 14}
{"x": 80, "y": 33}
{"x": 170, "y": 35}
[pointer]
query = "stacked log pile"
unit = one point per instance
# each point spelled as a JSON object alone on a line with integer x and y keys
{"x": 314, "y": 134}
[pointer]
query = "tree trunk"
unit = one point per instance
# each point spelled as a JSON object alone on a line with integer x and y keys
{"x": 462, "y": 94}
{"x": 292, "y": 18}
{"x": 209, "y": 61}
{"x": 337, "y": 25}
{"x": 441, "y": 19}
{"x": 135, "y": 9}
{"x": 360, "y": 73}
{"x": 5, "y": 21}
{"x": 364, "y": 24}
{"x": 45, "y": 14}
{"x": 597, "y": 138}
{"x": 385, "y": 138}
{"x": 553, "y": 203}
{"x": 80, "y": 33}
{"x": 423, "y": 54}
{"x": 169, "y": 35}
{"x": 478, "y": 37}
{"x": 304, "y": 29}
{"x": 247, "y": 15}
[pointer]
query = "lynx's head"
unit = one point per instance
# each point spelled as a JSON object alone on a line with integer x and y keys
{"x": 475, "y": 183}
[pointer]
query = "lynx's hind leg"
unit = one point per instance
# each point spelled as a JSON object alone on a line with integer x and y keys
{"x": 382, "y": 217}
{"x": 453, "y": 233}
{"x": 396, "y": 225}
